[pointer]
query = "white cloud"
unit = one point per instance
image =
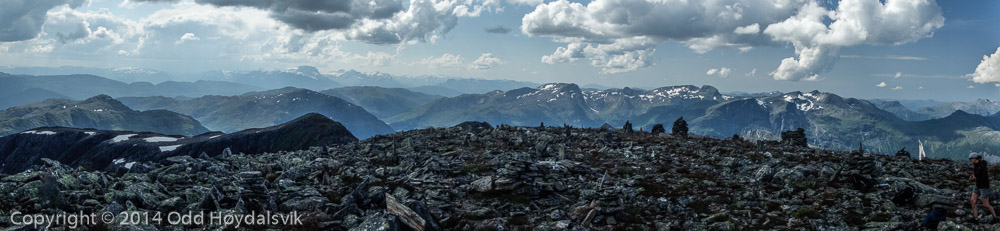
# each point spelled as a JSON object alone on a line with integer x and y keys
{"x": 854, "y": 22}
{"x": 898, "y": 74}
{"x": 68, "y": 31}
{"x": 621, "y": 55}
{"x": 750, "y": 29}
{"x": 445, "y": 61}
{"x": 368, "y": 21}
{"x": 526, "y": 2}
{"x": 486, "y": 61}
{"x": 971, "y": 87}
{"x": 816, "y": 33}
{"x": 570, "y": 53}
{"x": 23, "y": 19}
{"x": 882, "y": 84}
{"x": 988, "y": 70}
{"x": 702, "y": 25}
{"x": 752, "y": 73}
{"x": 188, "y": 37}
{"x": 721, "y": 72}
{"x": 897, "y": 88}
{"x": 232, "y": 35}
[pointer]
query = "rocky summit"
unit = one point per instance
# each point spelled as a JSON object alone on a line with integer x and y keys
{"x": 522, "y": 178}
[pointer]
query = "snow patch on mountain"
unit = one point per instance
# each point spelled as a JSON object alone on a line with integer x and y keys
{"x": 159, "y": 139}
{"x": 121, "y": 138}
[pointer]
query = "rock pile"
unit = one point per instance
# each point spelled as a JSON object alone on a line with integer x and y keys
{"x": 795, "y": 138}
{"x": 517, "y": 178}
{"x": 680, "y": 127}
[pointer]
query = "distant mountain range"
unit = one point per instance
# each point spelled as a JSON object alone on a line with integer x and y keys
{"x": 105, "y": 150}
{"x": 266, "y": 108}
{"x": 984, "y": 107}
{"x": 310, "y": 78}
{"x": 99, "y": 112}
{"x": 307, "y": 77}
{"x": 123, "y": 74}
{"x": 830, "y": 120}
{"x": 382, "y": 102}
{"x": 83, "y": 86}
{"x": 947, "y": 129}
{"x": 18, "y": 98}
{"x": 560, "y": 103}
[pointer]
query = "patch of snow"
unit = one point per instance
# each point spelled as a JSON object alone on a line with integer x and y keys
{"x": 98, "y": 110}
{"x": 761, "y": 103}
{"x": 121, "y": 138}
{"x": 90, "y": 133}
{"x": 118, "y": 161}
{"x": 129, "y": 165}
{"x": 169, "y": 148}
{"x": 213, "y": 137}
{"x": 160, "y": 139}
{"x": 40, "y": 132}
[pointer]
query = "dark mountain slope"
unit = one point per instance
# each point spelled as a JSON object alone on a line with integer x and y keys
{"x": 268, "y": 108}
{"x": 99, "y": 149}
{"x": 99, "y": 112}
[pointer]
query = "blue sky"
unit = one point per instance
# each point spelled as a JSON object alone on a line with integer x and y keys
{"x": 858, "y": 48}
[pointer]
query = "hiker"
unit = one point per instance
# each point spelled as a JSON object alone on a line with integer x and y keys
{"x": 981, "y": 176}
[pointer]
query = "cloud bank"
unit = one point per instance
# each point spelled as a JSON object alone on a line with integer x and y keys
{"x": 613, "y": 32}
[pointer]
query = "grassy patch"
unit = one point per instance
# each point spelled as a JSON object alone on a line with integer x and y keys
{"x": 806, "y": 213}
{"x": 803, "y": 184}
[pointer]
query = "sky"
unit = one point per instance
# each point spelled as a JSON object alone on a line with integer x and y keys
{"x": 901, "y": 49}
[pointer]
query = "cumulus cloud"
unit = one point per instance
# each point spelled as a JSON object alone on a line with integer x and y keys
{"x": 816, "y": 33}
{"x": 701, "y": 25}
{"x": 445, "y": 61}
{"x": 721, "y": 72}
{"x": 897, "y": 75}
{"x": 897, "y": 88}
{"x": 486, "y": 61}
{"x": 368, "y": 21}
{"x": 622, "y": 55}
{"x": 882, "y": 84}
{"x": 988, "y": 70}
{"x": 72, "y": 32}
{"x": 971, "y": 87}
{"x": 854, "y": 22}
{"x": 499, "y": 29}
{"x": 188, "y": 37}
{"x": 23, "y": 19}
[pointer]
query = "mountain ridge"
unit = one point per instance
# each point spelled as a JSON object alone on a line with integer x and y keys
{"x": 101, "y": 149}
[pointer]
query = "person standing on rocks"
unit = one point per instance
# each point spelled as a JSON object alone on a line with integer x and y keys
{"x": 980, "y": 175}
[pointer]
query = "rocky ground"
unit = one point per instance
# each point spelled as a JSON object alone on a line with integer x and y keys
{"x": 477, "y": 177}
